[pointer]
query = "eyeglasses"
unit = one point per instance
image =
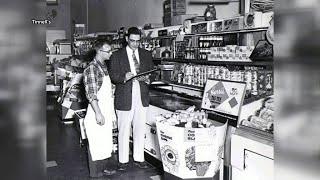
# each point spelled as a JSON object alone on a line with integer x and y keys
{"x": 134, "y": 41}
{"x": 109, "y": 51}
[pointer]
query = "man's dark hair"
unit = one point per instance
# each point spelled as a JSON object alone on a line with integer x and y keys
{"x": 133, "y": 30}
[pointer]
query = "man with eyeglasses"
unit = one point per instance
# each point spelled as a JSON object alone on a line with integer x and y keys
{"x": 131, "y": 96}
{"x": 100, "y": 114}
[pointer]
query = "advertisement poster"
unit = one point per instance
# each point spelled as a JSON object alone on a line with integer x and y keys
{"x": 223, "y": 96}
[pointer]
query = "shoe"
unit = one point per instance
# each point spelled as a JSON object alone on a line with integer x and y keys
{"x": 109, "y": 172}
{"x": 122, "y": 166}
{"x": 141, "y": 165}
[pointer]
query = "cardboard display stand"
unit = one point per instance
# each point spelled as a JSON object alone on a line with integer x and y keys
{"x": 197, "y": 152}
{"x": 191, "y": 152}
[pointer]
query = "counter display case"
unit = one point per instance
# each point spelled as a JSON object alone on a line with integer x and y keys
{"x": 189, "y": 60}
{"x": 252, "y": 155}
{"x": 220, "y": 55}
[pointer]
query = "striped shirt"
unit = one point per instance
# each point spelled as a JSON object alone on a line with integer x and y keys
{"x": 93, "y": 79}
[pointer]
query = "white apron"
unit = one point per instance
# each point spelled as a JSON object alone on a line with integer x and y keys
{"x": 100, "y": 137}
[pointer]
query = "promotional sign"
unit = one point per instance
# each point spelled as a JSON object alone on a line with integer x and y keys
{"x": 223, "y": 96}
{"x": 191, "y": 152}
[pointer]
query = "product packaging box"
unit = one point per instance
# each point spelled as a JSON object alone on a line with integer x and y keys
{"x": 217, "y": 26}
{"x": 174, "y": 7}
{"x": 191, "y": 152}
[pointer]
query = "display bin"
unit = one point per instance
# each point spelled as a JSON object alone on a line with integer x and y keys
{"x": 191, "y": 152}
{"x": 196, "y": 153}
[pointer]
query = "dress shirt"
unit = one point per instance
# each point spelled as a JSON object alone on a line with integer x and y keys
{"x": 131, "y": 62}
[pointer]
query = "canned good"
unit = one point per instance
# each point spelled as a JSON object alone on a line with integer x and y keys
{"x": 179, "y": 78}
{"x": 223, "y": 72}
{"x": 216, "y": 72}
{"x": 227, "y": 74}
{"x": 233, "y": 76}
{"x": 248, "y": 79}
{"x": 254, "y": 88}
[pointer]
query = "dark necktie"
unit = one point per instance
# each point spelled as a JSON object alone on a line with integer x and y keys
{"x": 136, "y": 63}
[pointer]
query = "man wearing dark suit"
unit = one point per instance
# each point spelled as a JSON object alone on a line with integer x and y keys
{"x": 131, "y": 97}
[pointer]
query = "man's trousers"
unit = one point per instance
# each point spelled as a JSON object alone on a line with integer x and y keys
{"x": 137, "y": 116}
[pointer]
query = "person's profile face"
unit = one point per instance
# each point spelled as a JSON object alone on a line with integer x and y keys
{"x": 134, "y": 41}
{"x": 106, "y": 51}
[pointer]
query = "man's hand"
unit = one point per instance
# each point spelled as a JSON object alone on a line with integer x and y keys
{"x": 100, "y": 119}
{"x": 145, "y": 78}
{"x": 128, "y": 76}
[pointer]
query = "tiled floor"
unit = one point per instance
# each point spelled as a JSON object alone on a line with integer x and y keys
{"x": 63, "y": 148}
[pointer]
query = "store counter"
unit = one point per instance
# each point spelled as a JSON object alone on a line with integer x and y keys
{"x": 252, "y": 156}
{"x": 171, "y": 102}
{"x": 164, "y": 102}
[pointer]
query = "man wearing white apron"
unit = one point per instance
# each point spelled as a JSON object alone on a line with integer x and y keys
{"x": 100, "y": 115}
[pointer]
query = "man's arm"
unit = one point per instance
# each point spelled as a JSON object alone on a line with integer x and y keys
{"x": 99, "y": 117}
{"x": 90, "y": 81}
{"x": 116, "y": 76}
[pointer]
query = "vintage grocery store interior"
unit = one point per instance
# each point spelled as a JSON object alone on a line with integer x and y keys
{"x": 211, "y": 101}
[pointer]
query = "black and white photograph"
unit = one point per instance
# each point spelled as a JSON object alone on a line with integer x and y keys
{"x": 127, "y": 90}
{"x": 160, "y": 90}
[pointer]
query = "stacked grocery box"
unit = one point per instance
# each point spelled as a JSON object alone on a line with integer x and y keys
{"x": 172, "y": 8}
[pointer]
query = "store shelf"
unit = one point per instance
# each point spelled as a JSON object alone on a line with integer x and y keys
{"x": 266, "y": 62}
{"x": 58, "y": 55}
{"x": 230, "y": 32}
{"x": 220, "y": 32}
{"x": 255, "y": 98}
{"x": 258, "y": 133}
{"x": 166, "y": 37}
{"x": 192, "y": 87}
{"x": 93, "y": 36}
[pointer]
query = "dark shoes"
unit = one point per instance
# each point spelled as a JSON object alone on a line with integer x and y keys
{"x": 122, "y": 166}
{"x": 141, "y": 165}
{"x": 109, "y": 172}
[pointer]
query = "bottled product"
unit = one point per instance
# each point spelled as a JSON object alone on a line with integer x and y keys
{"x": 166, "y": 53}
{"x": 254, "y": 82}
{"x": 210, "y": 13}
{"x": 248, "y": 79}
